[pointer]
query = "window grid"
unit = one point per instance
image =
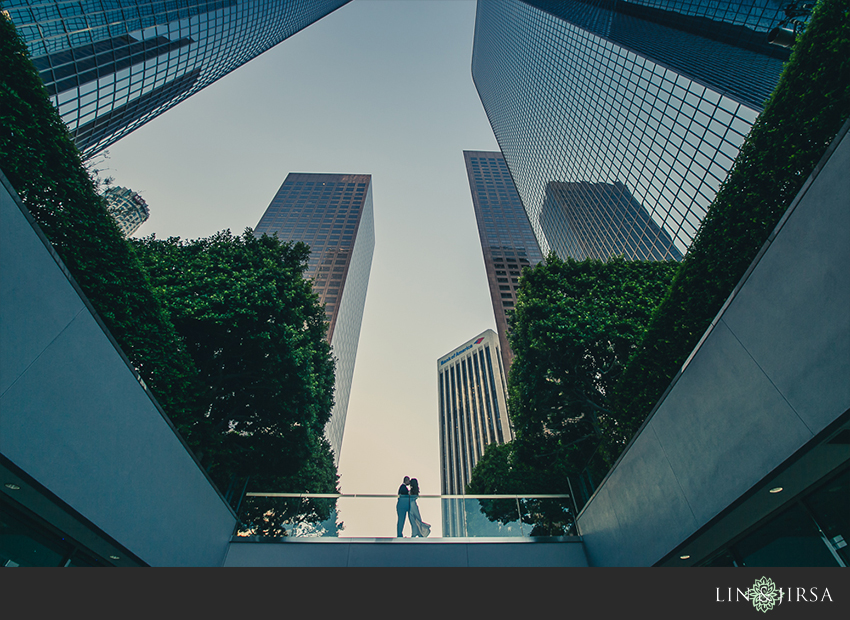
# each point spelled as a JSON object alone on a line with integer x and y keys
{"x": 645, "y": 148}
{"x": 112, "y": 65}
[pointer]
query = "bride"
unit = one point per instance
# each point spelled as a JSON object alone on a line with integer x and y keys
{"x": 418, "y": 527}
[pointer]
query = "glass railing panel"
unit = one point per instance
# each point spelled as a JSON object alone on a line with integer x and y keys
{"x": 296, "y": 515}
{"x": 275, "y": 515}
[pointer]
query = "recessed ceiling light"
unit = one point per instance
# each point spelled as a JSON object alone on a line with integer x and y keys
{"x": 684, "y": 557}
{"x": 776, "y": 490}
{"x": 12, "y": 486}
{"x": 114, "y": 557}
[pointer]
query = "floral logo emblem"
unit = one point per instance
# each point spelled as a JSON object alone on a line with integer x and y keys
{"x": 764, "y": 594}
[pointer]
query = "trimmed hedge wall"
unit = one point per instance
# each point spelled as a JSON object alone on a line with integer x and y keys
{"x": 807, "y": 109}
{"x": 42, "y": 163}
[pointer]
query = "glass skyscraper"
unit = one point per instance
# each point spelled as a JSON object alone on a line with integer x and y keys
{"x": 507, "y": 239}
{"x": 112, "y": 65}
{"x": 128, "y": 209}
{"x": 332, "y": 213}
{"x": 622, "y": 107}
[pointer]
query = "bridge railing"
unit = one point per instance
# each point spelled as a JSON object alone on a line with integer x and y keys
{"x": 275, "y": 515}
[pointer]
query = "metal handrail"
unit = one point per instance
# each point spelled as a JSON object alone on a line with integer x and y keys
{"x": 373, "y": 495}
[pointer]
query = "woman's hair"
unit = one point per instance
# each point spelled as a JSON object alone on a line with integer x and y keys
{"x": 414, "y": 486}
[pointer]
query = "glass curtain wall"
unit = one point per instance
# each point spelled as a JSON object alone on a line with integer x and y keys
{"x": 112, "y": 65}
{"x": 588, "y": 121}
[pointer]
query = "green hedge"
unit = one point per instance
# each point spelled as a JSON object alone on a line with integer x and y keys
{"x": 42, "y": 163}
{"x": 807, "y": 109}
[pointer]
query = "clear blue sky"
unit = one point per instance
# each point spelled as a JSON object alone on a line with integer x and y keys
{"x": 380, "y": 87}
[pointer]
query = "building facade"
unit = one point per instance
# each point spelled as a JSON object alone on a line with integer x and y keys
{"x": 127, "y": 208}
{"x": 112, "y": 65}
{"x": 473, "y": 408}
{"x": 507, "y": 239}
{"x": 653, "y": 97}
{"x": 332, "y": 213}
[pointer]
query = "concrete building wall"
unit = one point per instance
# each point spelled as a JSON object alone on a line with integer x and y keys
{"x": 407, "y": 553}
{"x": 74, "y": 416}
{"x": 768, "y": 376}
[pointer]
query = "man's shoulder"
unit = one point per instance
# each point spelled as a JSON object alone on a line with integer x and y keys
{"x": 402, "y": 490}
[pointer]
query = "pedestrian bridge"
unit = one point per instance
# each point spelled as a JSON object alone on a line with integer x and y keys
{"x": 292, "y": 529}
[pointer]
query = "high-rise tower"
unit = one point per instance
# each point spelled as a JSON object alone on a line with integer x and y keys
{"x": 653, "y": 97}
{"x": 472, "y": 406}
{"x": 112, "y": 65}
{"x": 473, "y": 413}
{"x": 507, "y": 239}
{"x": 127, "y": 207}
{"x": 332, "y": 213}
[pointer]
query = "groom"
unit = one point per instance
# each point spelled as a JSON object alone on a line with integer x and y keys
{"x": 402, "y": 506}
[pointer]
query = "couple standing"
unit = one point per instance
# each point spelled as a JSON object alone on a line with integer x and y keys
{"x": 406, "y": 506}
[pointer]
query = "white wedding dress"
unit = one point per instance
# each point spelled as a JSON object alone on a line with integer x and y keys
{"x": 418, "y": 527}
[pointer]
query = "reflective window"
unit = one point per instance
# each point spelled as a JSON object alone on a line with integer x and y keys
{"x": 111, "y": 66}
{"x": 612, "y": 152}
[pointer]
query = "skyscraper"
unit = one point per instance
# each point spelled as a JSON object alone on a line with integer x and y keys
{"x": 600, "y": 220}
{"x": 332, "y": 213}
{"x": 473, "y": 412}
{"x": 127, "y": 208}
{"x": 472, "y": 407}
{"x": 652, "y": 96}
{"x": 507, "y": 239}
{"x": 112, "y": 65}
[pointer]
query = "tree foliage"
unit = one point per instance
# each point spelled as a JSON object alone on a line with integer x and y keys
{"x": 798, "y": 123}
{"x": 575, "y": 327}
{"x": 256, "y": 333}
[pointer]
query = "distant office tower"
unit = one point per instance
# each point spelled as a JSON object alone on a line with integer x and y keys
{"x": 473, "y": 414}
{"x": 654, "y": 95}
{"x": 600, "y": 220}
{"x": 113, "y": 65}
{"x": 127, "y": 208}
{"x": 332, "y": 213}
{"x": 507, "y": 239}
{"x": 473, "y": 408}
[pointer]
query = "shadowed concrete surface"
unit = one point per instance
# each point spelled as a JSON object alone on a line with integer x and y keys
{"x": 85, "y": 441}
{"x": 561, "y": 552}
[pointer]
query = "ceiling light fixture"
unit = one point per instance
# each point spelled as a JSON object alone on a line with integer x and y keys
{"x": 776, "y": 490}
{"x": 12, "y": 486}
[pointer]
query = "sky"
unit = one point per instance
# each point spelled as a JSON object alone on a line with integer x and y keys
{"x": 380, "y": 87}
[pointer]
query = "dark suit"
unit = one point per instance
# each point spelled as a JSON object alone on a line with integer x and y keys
{"x": 402, "y": 507}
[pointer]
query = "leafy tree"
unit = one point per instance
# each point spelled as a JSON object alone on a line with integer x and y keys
{"x": 575, "y": 327}
{"x": 256, "y": 332}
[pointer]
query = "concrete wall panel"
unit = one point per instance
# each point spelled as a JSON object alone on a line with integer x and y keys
{"x": 33, "y": 288}
{"x": 724, "y": 417}
{"x": 407, "y": 553}
{"x": 74, "y": 417}
{"x": 802, "y": 288}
